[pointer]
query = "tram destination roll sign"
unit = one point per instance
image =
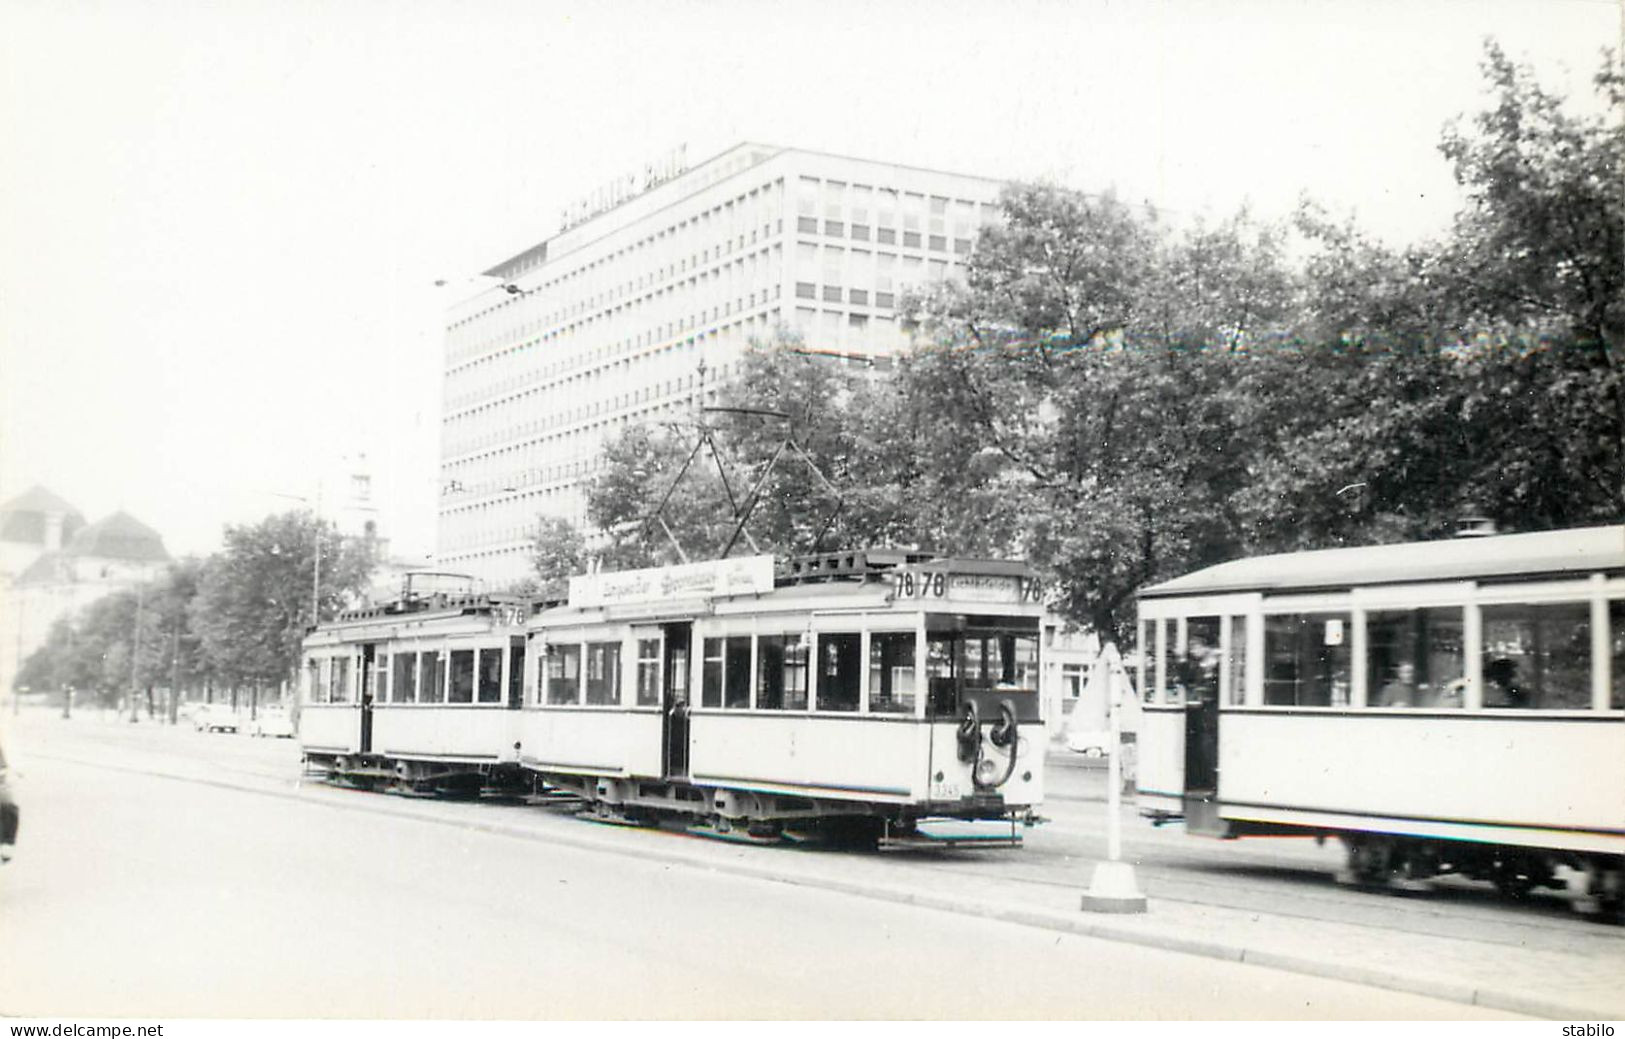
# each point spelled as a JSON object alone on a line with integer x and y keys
{"x": 984, "y": 588}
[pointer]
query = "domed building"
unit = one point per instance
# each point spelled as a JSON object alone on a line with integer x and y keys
{"x": 52, "y": 562}
{"x": 32, "y": 524}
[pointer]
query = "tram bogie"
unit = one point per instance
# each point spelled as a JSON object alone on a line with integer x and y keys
{"x": 1442, "y": 708}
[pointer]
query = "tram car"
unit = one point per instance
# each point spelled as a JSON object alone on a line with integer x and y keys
{"x": 420, "y": 694}
{"x": 878, "y": 694}
{"x": 882, "y": 690}
{"x": 1441, "y": 707}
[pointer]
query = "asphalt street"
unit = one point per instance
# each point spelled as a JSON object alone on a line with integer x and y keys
{"x": 166, "y": 872}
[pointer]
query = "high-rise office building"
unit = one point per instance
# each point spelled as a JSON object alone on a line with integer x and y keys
{"x": 644, "y": 302}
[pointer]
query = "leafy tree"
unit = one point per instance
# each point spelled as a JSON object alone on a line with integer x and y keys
{"x": 1084, "y": 398}
{"x": 253, "y": 601}
{"x": 559, "y": 551}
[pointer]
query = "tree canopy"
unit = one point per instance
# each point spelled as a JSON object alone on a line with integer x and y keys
{"x": 1120, "y": 398}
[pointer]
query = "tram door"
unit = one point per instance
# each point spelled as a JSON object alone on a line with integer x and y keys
{"x": 368, "y": 654}
{"x": 1197, "y": 669}
{"x": 674, "y": 697}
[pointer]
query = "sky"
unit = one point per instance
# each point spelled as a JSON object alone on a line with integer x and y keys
{"x": 222, "y": 223}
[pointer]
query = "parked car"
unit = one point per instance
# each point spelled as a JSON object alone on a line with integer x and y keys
{"x": 215, "y": 717}
{"x": 8, "y": 809}
{"x": 272, "y": 721}
{"x": 1089, "y": 742}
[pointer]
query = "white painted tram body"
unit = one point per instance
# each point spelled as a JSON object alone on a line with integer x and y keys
{"x": 1447, "y": 706}
{"x": 424, "y": 692}
{"x": 888, "y": 693}
{"x": 879, "y": 686}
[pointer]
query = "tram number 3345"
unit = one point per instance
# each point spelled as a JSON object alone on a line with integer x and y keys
{"x": 937, "y": 586}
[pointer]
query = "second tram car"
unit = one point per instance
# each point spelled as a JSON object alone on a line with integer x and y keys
{"x": 1447, "y": 706}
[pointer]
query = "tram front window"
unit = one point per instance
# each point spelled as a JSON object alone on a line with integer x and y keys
{"x": 986, "y": 667}
{"x": 1414, "y": 658}
{"x": 1538, "y": 656}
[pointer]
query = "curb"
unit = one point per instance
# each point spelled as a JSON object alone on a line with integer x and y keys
{"x": 1082, "y": 925}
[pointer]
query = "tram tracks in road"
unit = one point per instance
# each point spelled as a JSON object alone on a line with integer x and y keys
{"x": 1260, "y": 883}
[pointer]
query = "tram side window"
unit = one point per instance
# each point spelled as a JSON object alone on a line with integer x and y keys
{"x": 339, "y": 681}
{"x": 1616, "y": 628}
{"x": 603, "y": 673}
{"x": 406, "y": 674}
{"x": 1193, "y": 660}
{"x": 431, "y": 677}
{"x": 1306, "y": 659}
{"x": 516, "y": 672}
{"x": 711, "y": 674}
{"x": 891, "y": 672}
{"x": 839, "y": 674}
{"x": 1238, "y": 660}
{"x": 564, "y": 673}
{"x": 1148, "y": 658}
{"x": 315, "y": 692}
{"x": 1414, "y": 658}
{"x": 1537, "y": 655}
{"x": 648, "y": 672}
{"x": 490, "y": 676}
{"x": 942, "y": 675}
{"x": 462, "y": 676}
{"x": 736, "y": 672}
{"x": 380, "y": 678}
{"x": 781, "y": 677}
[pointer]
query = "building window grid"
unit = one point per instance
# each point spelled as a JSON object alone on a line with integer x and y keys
{"x": 609, "y": 302}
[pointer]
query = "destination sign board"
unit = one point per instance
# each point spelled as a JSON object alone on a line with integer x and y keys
{"x": 743, "y": 576}
{"x": 983, "y": 588}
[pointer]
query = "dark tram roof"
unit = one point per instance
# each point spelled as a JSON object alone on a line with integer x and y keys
{"x": 1555, "y": 553}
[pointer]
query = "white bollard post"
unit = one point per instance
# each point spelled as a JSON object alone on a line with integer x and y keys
{"x": 1113, "y": 889}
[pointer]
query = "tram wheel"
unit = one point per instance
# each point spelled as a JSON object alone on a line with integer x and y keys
{"x": 1515, "y": 877}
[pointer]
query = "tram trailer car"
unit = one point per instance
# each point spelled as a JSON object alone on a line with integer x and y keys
{"x": 1445, "y": 706}
{"x": 885, "y": 692}
{"x": 421, "y": 694}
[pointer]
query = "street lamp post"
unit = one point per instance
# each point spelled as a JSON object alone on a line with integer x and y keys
{"x": 316, "y": 556}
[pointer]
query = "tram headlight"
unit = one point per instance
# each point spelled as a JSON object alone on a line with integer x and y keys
{"x": 986, "y": 770}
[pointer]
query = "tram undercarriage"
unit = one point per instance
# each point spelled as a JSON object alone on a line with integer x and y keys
{"x": 765, "y": 817}
{"x": 1396, "y": 862}
{"x": 406, "y": 776}
{"x": 1409, "y": 863}
{"x": 736, "y": 815}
